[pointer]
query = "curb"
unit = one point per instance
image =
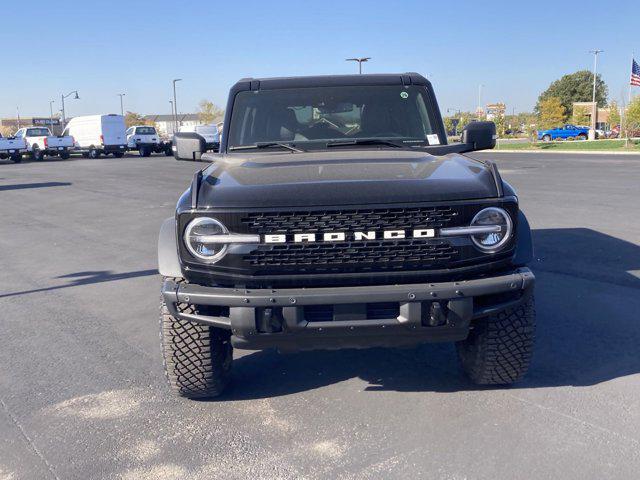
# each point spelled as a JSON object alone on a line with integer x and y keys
{"x": 572, "y": 152}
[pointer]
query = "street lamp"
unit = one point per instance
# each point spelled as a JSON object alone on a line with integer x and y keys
{"x": 594, "y": 114}
{"x": 360, "y": 61}
{"x": 121, "y": 104}
{"x": 173, "y": 115}
{"x": 175, "y": 105}
{"x": 480, "y": 98}
{"x": 51, "y": 102}
{"x": 76, "y": 97}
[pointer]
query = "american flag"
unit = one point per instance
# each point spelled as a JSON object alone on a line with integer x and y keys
{"x": 635, "y": 73}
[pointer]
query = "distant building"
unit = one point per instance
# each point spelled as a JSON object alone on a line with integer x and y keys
{"x": 165, "y": 123}
{"x": 587, "y": 107}
{"x": 495, "y": 110}
{"x": 14, "y": 123}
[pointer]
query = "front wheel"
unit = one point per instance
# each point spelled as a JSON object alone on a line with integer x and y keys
{"x": 499, "y": 347}
{"x": 94, "y": 153}
{"x": 197, "y": 358}
{"x": 144, "y": 151}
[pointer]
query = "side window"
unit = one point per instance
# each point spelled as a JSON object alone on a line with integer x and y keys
{"x": 129, "y": 131}
{"x": 19, "y": 133}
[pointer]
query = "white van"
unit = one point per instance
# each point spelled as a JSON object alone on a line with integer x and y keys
{"x": 98, "y": 134}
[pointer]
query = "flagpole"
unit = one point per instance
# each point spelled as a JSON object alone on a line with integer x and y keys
{"x": 626, "y": 122}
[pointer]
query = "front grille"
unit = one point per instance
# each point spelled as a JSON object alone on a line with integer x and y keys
{"x": 351, "y": 256}
{"x": 373, "y": 255}
{"x": 361, "y": 220}
{"x": 298, "y": 263}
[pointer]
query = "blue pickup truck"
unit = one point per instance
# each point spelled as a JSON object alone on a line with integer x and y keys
{"x": 562, "y": 133}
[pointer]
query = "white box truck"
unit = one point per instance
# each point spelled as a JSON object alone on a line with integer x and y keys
{"x": 97, "y": 135}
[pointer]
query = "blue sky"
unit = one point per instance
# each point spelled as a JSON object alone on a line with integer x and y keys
{"x": 138, "y": 46}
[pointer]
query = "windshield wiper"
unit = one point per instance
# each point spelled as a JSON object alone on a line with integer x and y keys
{"x": 267, "y": 145}
{"x": 363, "y": 141}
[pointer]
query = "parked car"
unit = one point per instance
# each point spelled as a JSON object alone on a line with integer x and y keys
{"x": 97, "y": 135}
{"x": 13, "y": 148}
{"x": 615, "y": 132}
{"x": 145, "y": 139}
{"x": 336, "y": 215}
{"x": 41, "y": 142}
{"x": 563, "y": 133}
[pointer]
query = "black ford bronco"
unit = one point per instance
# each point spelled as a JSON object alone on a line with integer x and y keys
{"x": 336, "y": 215}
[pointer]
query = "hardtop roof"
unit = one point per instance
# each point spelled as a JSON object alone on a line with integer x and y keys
{"x": 410, "y": 78}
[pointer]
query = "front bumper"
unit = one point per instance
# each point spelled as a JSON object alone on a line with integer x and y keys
{"x": 428, "y": 312}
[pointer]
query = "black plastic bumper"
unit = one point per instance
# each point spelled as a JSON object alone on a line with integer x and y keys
{"x": 429, "y": 312}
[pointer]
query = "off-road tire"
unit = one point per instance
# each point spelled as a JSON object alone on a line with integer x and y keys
{"x": 499, "y": 347}
{"x": 197, "y": 358}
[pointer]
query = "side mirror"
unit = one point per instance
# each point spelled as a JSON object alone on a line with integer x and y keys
{"x": 480, "y": 135}
{"x": 188, "y": 146}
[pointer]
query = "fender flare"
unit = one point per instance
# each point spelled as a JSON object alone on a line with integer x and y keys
{"x": 168, "y": 260}
{"x": 524, "y": 245}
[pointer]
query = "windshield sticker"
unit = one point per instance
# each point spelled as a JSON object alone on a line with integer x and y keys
{"x": 404, "y": 95}
{"x": 433, "y": 139}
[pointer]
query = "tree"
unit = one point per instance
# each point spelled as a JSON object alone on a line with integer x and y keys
{"x": 208, "y": 112}
{"x": 7, "y": 131}
{"x": 465, "y": 118}
{"x": 448, "y": 125}
{"x": 498, "y": 119}
{"x": 633, "y": 115}
{"x": 614, "y": 114}
{"x": 581, "y": 115}
{"x": 552, "y": 113}
{"x": 132, "y": 118}
{"x": 575, "y": 87}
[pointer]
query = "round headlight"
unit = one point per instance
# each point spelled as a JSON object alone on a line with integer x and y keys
{"x": 493, "y": 241}
{"x": 196, "y": 242}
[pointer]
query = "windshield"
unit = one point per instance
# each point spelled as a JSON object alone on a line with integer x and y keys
{"x": 312, "y": 117}
{"x": 37, "y": 132}
{"x": 145, "y": 131}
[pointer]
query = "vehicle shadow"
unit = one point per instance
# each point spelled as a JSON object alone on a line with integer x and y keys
{"x": 85, "y": 278}
{"x": 587, "y": 299}
{"x": 23, "y": 186}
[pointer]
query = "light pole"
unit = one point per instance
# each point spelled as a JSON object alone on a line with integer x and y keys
{"x": 480, "y": 98}
{"x": 121, "y": 103}
{"x": 173, "y": 115}
{"x": 594, "y": 112}
{"x": 360, "y": 61}
{"x": 51, "y": 102}
{"x": 175, "y": 105}
{"x": 76, "y": 97}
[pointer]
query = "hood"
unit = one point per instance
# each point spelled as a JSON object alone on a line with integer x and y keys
{"x": 348, "y": 177}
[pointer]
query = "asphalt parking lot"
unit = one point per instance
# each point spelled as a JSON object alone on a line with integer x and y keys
{"x": 83, "y": 395}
